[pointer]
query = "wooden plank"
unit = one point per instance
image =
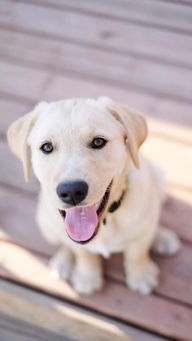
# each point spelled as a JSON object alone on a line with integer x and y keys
{"x": 179, "y": 193}
{"x": 22, "y": 81}
{"x": 62, "y": 87}
{"x": 115, "y": 300}
{"x": 10, "y": 111}
{"x": 72, "y": 86}
{"x": 170, "y": 131}
{"x": 169, "y": 155}
{"x": 169, "y": 81}
{"x": 34, "y": 315}
{"x": 17, "y": 221}
{"x": 175, "y": 274}
{"x": 12, "y": 329}
{"x": 163, "y": 14}
{"x": 66, "y": 86}
{"x": 11, "y": 172}
{"x": 101, "y": 32}
{"x": 177, "y": 215}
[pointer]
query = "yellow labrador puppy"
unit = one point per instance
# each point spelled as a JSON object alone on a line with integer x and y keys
{"x": 98, "y": 195}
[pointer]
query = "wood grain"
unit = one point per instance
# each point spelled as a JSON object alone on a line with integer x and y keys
{"x": 174, "y": 158}
{"x": 171, "y": 319}
{"x": 57, "y": 87}
{"x": 138, "y": 53}
{"x": 175, "y": 275}
{"x": 17, "y": 221}
{"x": 67, "y": 86}
{"x": 22, "y": 81}
{"x": 12, "y": 329}
{"x": 169, "y": 81}
{"x": 154, "y": 13}
{"x": 10, "y": 111}
{"x": 27, "y": 315}
{"x": 11, "y": 172}
{"x": 97, "y": 31}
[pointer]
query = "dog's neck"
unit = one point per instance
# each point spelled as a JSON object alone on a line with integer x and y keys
{"x": 119, "y": 190}
{"x": 116, "y": 204}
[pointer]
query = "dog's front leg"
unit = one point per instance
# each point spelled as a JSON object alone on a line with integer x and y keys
{"x": 61, "y": 264}
{"x": 87, "y": 273}
{"x": 141, "y": 271}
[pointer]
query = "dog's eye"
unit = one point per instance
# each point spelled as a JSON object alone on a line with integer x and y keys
{"x": 47, "y": 148}
{"x": 98, "y": 143}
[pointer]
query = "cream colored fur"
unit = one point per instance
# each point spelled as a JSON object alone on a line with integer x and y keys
{"x": 133, "y": 229}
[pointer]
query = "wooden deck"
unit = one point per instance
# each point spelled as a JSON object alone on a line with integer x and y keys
{"x": 140, "y": 53}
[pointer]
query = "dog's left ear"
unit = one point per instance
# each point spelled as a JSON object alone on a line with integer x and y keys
{"x": 17, "y": 135}
{"x": 135, "y": 128}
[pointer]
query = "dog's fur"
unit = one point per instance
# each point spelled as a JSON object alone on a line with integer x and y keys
{"x": 133, "y": 227}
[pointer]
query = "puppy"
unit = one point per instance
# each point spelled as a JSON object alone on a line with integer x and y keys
{"x": 98, "y": 195}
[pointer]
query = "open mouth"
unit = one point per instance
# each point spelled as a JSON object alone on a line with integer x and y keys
{"x": 82, "y": 222}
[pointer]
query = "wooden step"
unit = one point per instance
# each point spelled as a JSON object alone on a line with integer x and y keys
{"x": 153, "y": 312}
{"x": 170, "y": 81}
{"x": 26, "y": 314}
{"x": 165, "y": 15}
{"x": 104, "y": 33}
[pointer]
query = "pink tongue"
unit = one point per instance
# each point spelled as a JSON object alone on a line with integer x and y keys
{"x": 81, "y": 222}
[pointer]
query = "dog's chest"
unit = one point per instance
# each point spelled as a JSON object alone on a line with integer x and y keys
{"x": 110, "y": 238}
{"x": 106, "y": 247}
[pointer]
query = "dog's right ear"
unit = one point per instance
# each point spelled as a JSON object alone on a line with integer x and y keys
{"x": 17, "y": 136}
{"x": 135, "y": 126}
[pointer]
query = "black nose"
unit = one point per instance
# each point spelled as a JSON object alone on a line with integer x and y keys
{"x": 72, "y": 192}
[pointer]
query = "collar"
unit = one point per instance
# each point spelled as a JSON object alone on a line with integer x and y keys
{"x": 116, "y": 204}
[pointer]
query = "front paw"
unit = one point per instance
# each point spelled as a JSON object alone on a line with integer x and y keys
{"x": 61, "y": 264}
{"x": 143, "y": 279}
{"x": 86, "y": 283}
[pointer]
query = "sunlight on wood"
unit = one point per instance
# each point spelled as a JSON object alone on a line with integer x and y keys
{"x": 90, "y": 320}
{"x": 58, "y": 317}
{"x": 170, "y": 130}
{"x": 39, "y": 273}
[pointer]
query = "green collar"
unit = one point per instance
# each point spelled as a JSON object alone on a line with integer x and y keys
{"x": 116, "y": 204}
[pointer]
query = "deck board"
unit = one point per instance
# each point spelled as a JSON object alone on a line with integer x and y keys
{"x": 124, "y": 70}
{"x": 23, "y": 81}
{"x": 151, "y": 13}
{"x": 115, "y": 300}
{"x": 70, "y": 85}
{"x": 101, "y": 32}
{"x": 175, "y": 276}
{"x": 138, "y": 53}
{"x": 28, "y": 315}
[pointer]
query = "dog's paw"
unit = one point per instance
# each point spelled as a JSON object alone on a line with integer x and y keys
{"x": 145, "y": 280}
{"x": 61, "y": 265}
{"x": 166, "y": 242}
{"x": 86, "y": 283}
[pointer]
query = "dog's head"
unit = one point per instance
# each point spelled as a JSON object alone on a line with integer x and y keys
{"x": 80, "y": 148}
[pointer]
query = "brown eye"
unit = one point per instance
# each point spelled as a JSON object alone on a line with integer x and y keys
{"x": 98, "y": 143}
{"x": 47, "y": 148}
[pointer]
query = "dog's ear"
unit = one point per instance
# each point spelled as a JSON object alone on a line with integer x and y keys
{"x": 17, "y": 135}
{"x": 135, "y": 128}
